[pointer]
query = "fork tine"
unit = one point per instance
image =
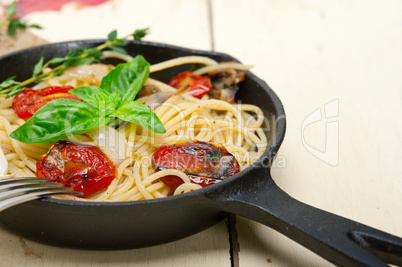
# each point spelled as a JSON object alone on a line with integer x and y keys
{"x": 14, "y": 191}
{"x": 32, "y": 189}
{"x": 7, "y": 203}
{"x": 22, "y": 179}
{"x": 11, "y": 186}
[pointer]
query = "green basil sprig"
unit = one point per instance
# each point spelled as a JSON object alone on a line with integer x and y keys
{"x": 114, "y": 98}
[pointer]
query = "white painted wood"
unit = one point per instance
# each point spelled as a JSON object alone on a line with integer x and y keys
{"x": 179, "y": 22}
{"x": 313, "y": 53}
{"x": 208, "y": 248}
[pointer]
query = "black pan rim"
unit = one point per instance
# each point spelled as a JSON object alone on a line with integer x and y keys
{"x": 268, "y": 154}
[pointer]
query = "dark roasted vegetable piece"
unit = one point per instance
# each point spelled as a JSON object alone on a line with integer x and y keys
{"x": 84, "y": 168}
{"x": 203, "y": 162}
{"x": 225, "y": 84}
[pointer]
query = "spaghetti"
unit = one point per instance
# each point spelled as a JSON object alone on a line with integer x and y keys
{"x": 236, "y": 126}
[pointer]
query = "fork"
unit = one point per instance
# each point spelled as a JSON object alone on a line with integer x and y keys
{"x": 14, "y": 191}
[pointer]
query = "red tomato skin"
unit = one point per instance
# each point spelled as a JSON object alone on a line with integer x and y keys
{"x": 192, "y": 158}
{"x": 199, "y": 85}
{"x": 27, "y": 102}
{"x": 173, "y": 181}
{"x": 84, "y": 168}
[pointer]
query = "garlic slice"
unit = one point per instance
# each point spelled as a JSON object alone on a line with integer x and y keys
{"x": 111, "y": 142}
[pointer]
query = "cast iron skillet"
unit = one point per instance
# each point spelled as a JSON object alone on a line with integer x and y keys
{"x": 251, "y": 193}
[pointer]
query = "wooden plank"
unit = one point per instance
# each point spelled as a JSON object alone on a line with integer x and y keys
{"x": 208, "y": 248}
{"x": 178, "y": 22}
{"x": 313, "y": 53}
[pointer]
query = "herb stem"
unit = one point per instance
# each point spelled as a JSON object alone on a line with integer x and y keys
{"x": 4, "y": 23}
{"x": 13, "y": 86}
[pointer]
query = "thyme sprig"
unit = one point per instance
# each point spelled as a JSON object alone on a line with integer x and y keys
{"x": 14, "y": 23}
{"x": 77, "y": 57}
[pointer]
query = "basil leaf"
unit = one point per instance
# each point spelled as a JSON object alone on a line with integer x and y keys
{"x": 140, "y": 114}
{"x": 135, "y": 87}
{"x": 120, "y": 78}
{"x": 97, "y": 98}
{"x": 59, "y": 119}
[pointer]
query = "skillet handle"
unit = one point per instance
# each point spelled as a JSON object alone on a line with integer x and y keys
{"x": 337, "y": 239}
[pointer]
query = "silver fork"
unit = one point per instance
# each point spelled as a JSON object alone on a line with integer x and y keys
{"x": 14, "y": 191}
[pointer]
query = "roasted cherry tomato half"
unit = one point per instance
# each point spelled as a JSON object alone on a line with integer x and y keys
{"x": 203, "y": 162}
{"x": 27, "y": 102}
{"x": 199, "y": 85}
{"x": 84, "y": 168}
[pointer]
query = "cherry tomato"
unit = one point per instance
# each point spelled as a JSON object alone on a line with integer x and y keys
{"x": 203, "y": 162}
{"x": 27, "y": 102}
{"x": 199, "y": 85}
{"x": 84, "y": 168}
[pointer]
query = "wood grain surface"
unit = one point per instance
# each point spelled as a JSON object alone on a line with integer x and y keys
{"x": 340, "y": 59}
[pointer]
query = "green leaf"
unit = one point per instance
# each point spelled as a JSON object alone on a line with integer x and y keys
{"x": 97, "y": 98}
{"x": 78, "y": 61}
{"x": 8, "y": 83}
{"x": 140, "y": 114}
{"x": 112, "y": 35}
{"x": 82, "y": 56}
{"x": 60, "y": 71}
{"x": 119, "y": 50}
{"x": 13, "y": 26}
{"x": 121, "y": 78}
{"x": 38, "y": 67}
{"x": 140, "y": 33}
{"x": 120, "y": 42}
{"x": 57, "y": 120}
{"x": 56, "y": 60}
{"x": 11, "y": 9}
{"x": 93, "y": 52}
{"x": 75, "y": 53}
{"x": 36, "y": 26}
{"x": 15, "y": 91}
{"x": 135, "y": 87}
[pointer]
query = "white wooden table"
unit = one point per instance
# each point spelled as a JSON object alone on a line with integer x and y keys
{"x": 345, "y": 56}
